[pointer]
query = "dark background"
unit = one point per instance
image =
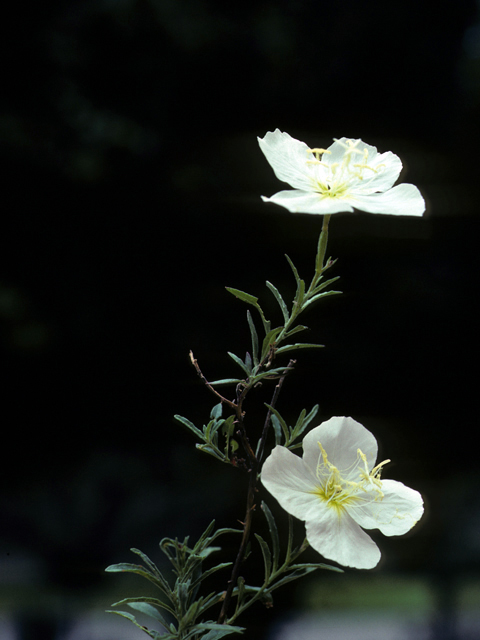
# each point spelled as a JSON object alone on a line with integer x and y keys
{"x": 131, "y": 182}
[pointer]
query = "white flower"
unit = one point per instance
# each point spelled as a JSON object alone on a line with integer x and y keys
{"x": 350, "y": 173}
{"x": 336, "y": 489}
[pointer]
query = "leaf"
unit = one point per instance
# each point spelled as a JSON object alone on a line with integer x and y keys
{"x": 318, "y": 296}
{"x": 225, "y": 381}
{"x": 280, "y": 419}
{"x": 216, "y": 412}
{"x": 253, "y": 333}
{"x": 300, "y": 293}
{"x": 269, "y": 340}
{"x": 249, "y": 299}
{"x": 267, "y": 556}
{"x": 299, "y": 345}
{"x": 240, "y": 362}
{"x": 316, "y": 565}
{"x": 325, "y": 284}
{"x": 151, "y": 601}
{"x": 297, "y": 329}
{"x": 150, "y": 632}
{"x": 303, "y": 422}
{"x": 190, "y": 426}
{"x": 246, "y": 297}
{"x": 273, "y": 534}
{"x": 277, "y": 428}
{"x": 220, "y": 631}
{"x": 280, "y": 300}
{"x": 149, "y": 610}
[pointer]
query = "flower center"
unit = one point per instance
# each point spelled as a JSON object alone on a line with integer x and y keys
{"x": 338, "y": 491}
{"x": 335, "y": 180}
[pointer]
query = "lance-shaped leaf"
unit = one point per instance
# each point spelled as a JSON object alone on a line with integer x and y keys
{"x": 267, "y": 557}
{"x": 269, "y": 340}
{"x": 280, "y": 300}
{"x": 239, "y": 361}
{"x": 299, "y": 345}
{"x": 249, "y": 299}
{"x": 273, "y": 534}
{"x": 150, "y": 632}
{"x": 253, "y": 333}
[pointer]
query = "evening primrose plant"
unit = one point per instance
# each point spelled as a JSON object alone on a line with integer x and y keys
{"x": 336, "y": 488}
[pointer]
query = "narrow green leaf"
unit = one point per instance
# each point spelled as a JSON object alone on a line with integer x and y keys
{"x": 190, "y": 426}
{"x": 267, "y": 556}
{"x": 150, "y": 632}
{"x": 273, "y": 534}
{"x": 246, "y": 297}
{"x": 209, "y": 572}
{"x": 318, "y": 296}
{"x": 254, "y": 334}
{"x": 321, "y": 287}
{"x": 316, "y": 565}
{"x": 303, "y": 422}
{"x": 294, "y": 269}
{"x": 283, "y": 424}
{"x": 216, "y": 453}
{"x": 220, "y": 631}
{"x": 269, "y": 340}
{"x": 277, "y": 428}
{"x": 297, "y": 329}
{"x": 225, "y": 381}
{"x": 138, "y": 569}
{"x": 240, "y": 362}
{"x": 290, "y": 577}
{"x": 150, "y": 564}
{"x": 280, "y": 300}
{"x": 299, "y": 345}
{"x": 151, "y": 601}
{"x": 150, "y": 611}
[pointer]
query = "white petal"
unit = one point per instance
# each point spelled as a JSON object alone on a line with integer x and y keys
{"x": 288, "y": 479}
{"x": 337, "y": 537}
{"x": 341, "y": 438}
{"x": 337, "y": 151}
{"x": 402, "y": 200}
{"x": 395, "y": 514}
{"x": 387, "y": 168}
{"x": 308, "y": 202}
{"x": 288, "y": 158}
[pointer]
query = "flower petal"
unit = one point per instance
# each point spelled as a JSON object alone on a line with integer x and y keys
{"x": 398, "y": 511}
{"x": 288, "y": 158}
{"x": 308, "y": 202}
{"x": 341, "y": 438}
{"x": 288, "y": 479}
{"x": 337, "y": 537}
{"x": 402, "y": 200}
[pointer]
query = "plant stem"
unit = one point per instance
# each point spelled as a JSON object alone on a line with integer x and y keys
{"x": 255, "y": 461}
